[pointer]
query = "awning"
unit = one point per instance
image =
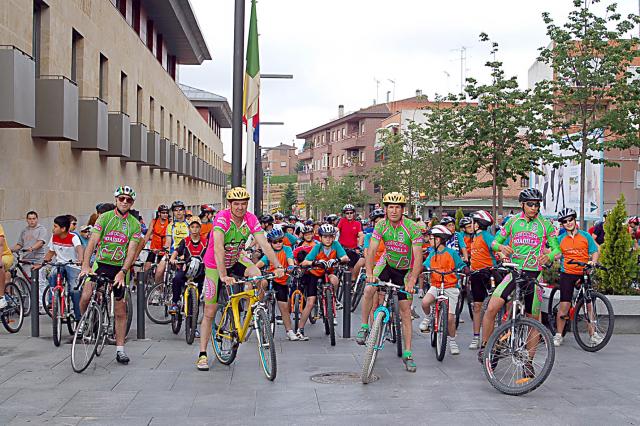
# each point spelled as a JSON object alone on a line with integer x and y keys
{"x": 469, "y": 203}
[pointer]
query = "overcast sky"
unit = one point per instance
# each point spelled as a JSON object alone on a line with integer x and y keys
{"x": 337, "y": 49}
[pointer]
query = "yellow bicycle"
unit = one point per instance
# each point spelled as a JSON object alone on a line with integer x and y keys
{"x": 236, "y": 323}
{"x": 188, "y": 304}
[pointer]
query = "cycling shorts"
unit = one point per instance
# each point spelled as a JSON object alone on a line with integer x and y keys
{"x": 151, "y": 257}
{"x": 451, "y": 293}
{"x": 111, "y": 271}
{"x": 282, "y": 292}
{"x": 533, "y": 294}
{"x": 395, "y": 276}
{"x": 7, "y": 261}
{"x": 309, "y": 284}
{"x": 567, "y": 283}
{"x": 353, "y": 257}
{"x": 481, "y": 282}
{"x": 212, "y": 286}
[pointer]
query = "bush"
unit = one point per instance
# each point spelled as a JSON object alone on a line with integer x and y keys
{"x": 459, "y": 215}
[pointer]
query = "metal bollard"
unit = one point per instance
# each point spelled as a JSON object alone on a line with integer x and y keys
{"x": 35, "y": 302}
{"x": 141, "y": 292}
{"x": 346, "y": 306}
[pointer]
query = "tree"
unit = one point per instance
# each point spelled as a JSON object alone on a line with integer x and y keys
{"x": 299, "y": 166}
{"x": 334, "y": 195}
{"x": 595, "y": 96}
{"x": 505, "y": 131}
{"x": 311, "y": 198}
{"x": 288, "y": 199}
{"x": 459, "y": 215}
{"x": 617, "y": 254}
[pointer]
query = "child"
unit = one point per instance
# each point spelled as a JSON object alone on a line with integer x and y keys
{"x": 306, "y": 244}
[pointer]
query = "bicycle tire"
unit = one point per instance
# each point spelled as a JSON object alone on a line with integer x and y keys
{"x": 313, "y": 315}
{"x": 12, "y": 316}
{"x": 104, "y": 328}
{"x": 441, "y": 338}
{"x": 433, "y": 335}
{"x": 332, "y": 327}
{"x": 91, "y": 323}
{"x": 358, "y": 291}
{"x": 552, "y": 313}
{"x": 191, "y": 319}
{"x": 459, "y": 307}
{"x": 25, "y": 292}
{"x": 266, "y": 346}
{"x": 372, "y": 348}
{"x": 397, "y": 324}
{"x": 156, "y": 305}
{"x": 71, "y": 321}
{"x": 129, "y": 305}
{"x": 496, "y": 344}
{"x": 56, "y": 319}
{"x": 225, "y": 356}
{"x": 577, "y": 324}
{"x": 296, "y": 311}
{"x": 46, "y": 300}
{"x": 271, "y": 306}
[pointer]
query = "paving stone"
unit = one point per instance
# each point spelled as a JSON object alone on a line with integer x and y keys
{"x": 98, "y": 403}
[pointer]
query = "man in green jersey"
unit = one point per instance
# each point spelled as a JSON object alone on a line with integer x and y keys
{"x": 116, "y": 235}
{"x": 401, "y": 264}
{"x": 528, "y": 236}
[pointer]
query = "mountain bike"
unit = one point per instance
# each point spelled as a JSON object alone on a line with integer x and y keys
{"x": 519, "y": 355}
{"x": 440, "y": 318}
{"x": 590, "y": 317}
{"x": 386, "y": 326}
{"x": 465, "y": 294}
{"x": 22, "y": 282}
{"x": 188, "y": 306}
{"x": 326, "y": 297}
{"x": 231, "y": 330}
{"x": 357, "y": 289}
{"x": 61, "y": 302}
{"x": 12, "y": 316}
{"x": 158, "y": 300}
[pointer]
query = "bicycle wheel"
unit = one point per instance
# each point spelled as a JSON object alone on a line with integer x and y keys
{"x": 433, "y": 335}
{"x": 373, "y": 345}
{"x": 13, "y": 315}
{"x": 397, "y": 324}
{"x": 129, "y": 304}
{"x": 191, "y": 319}
{"x": 70, "y": 318}
{"x": 56, "y": 319}
{"x": 358, "y": 291}
{"x": 297, "y": 311}
{"x": 271, "y": 313}
{"x": 105, "y": 325}
{"x": 46, "y": 300}
{"x": 85, "y": 344}
{"x": 519, "y": 356}
{"x": 552, "y": 313}
{"x": 224, "y": 339}
{"x": 157, "y": 305}
{"x": 459, "y": 308}
{"x": 25, "y": 292}
{"x": 313, "y": 316}
{"x": 441, "y": 335}
{"x": 266, "y": 346}
{"x": 329, "y": 320}
{"x": 593, "y": 330}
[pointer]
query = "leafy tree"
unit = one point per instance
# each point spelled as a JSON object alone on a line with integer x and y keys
{"x": 335, "y": 195}
{"x": 311, "y": 197}
{"x": 459, "y": 215}
{"x": 288, "y": 199}
{"x": 299, "y": 166}
{"x": 595, "y": 97}
{"x": 617, "y": 253}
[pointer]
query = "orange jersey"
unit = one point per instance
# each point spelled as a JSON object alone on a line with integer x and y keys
{"x": 205, "y": 229}
{"x": 159, "y": 232}
{"x": 481, "y": 253}
{"x": 283, "y": 256}
{"x": 444, "y": 261}
{"x": 579, "y": 247}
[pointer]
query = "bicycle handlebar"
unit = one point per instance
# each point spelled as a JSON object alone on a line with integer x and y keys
{"x": 587, "y": 265}
{"x": 390, "y": 285}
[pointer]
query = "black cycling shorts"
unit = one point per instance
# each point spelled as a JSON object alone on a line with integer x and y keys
{"x": 532, "y": 298}
{"x": 395, "y": 276}
{"x": 282, "y": 292}
{"x": 481, "y": 282}
{"x": 567, "y": 283}
{"x": 111, "y": 271}
{"x": 151, "y": 257}
{"x": 353, "y": 257}
{"x": 309, "y": 284}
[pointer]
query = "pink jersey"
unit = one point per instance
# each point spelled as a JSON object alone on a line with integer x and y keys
{"x": 235, "y": 237}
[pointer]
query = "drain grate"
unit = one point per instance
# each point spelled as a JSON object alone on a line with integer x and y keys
{"x": 339, "y": 378}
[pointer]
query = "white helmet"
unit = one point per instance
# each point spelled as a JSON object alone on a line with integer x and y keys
{"x": 441, "y": 232}
{"x": 193, "y": 267}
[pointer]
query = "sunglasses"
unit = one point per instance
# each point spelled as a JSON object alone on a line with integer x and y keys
{"x": 532, "y": 204}
{"x": 74, "y": 223}
{"x": 124, "y": 199}
{"x": 349, "y": 213}
{"x": 277, "y": 242}
{"x": 563, "y": 221}
{"x": 178, "y": 209}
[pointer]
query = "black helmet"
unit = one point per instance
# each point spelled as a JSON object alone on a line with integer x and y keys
{"x": 332, "y": 218}
{"x": 464, "y": 222}
{"x": 176, "y": 204}
{"x": 267, "y": 218}
{"x": 278, "y": 216}
{"x": 566, "y": 214}
{"x": 307, "y": 229}
{"x": 293, "y": 217}
{"x": 377, "y": 213}
{"x": 530, "y": 194}
{"x": 105, "y": 207}
{"x": 447, "y": 220}
{"x": 163, "y": 208}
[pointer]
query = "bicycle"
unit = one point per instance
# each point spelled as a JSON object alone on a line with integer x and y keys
{"x": 326, "y": 299}
{"x": 158, "y": 299}
{"x": 12, "y": 316}
{"x": 590, "y": 314}
{"x": 440, "y": 319}
{"x": 465, "y": 293}
{"x": 298, "y": 298}
{"x": 502, "y": 313}
{"x": 22, "y": 282}
{"x": 188, "y": 305}
{"x": 61, "y": 302}
{"x": 520, "y": 354}
{"x": 231, "y": 330}
{"x": 357, "y": 290}
{"x": 387, "y": 313}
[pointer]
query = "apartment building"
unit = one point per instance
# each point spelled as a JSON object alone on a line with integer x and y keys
{"x": 89, "y": 100}
{"x": 280, "y": 160}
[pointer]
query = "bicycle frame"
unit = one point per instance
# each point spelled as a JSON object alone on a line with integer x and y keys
{"x": 185, "y": 295}
{"x": 240, "y": 328}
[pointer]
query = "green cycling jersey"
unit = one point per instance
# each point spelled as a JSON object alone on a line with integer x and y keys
{"x": 398, "y": 242}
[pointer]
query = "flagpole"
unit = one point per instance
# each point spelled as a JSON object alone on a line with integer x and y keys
{"x": 238, "y": 71}
{"x": 251, "y": 165}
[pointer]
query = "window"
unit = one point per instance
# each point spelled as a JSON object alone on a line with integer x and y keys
{"x": 38, "y": 8}
{"x": 136, "y": 16}
{"x": 376, "y": 188}
{"x": 139, "y": 94}
{"x": 122, "y": 6}
{"x": 524, "y": 182}
{"x": 362, "y": 127}
{"x": 76, "y": 55}
{"x": 170, "y": 127}
{"x": 150, "y": 34}
{"x": 123, "y": 92}
{"x": 103, "y": 77}
{"x": 159, "y": 47}
{"x": 152, "y": 114}
{"x": 283, "y": 164}
{"x": 161, "y": 121}
{"x": 178, "y": 132}
{"x": 344, "y": 132}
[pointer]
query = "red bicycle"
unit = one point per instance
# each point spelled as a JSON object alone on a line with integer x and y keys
{"x": 440, "y": 319}
{"x": 326, "y": 297}
{"x": 61, "y": 303}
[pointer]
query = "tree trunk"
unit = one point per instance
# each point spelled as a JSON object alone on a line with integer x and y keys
{"x": 583, "y": 167}
{"x": 501, "y": 201}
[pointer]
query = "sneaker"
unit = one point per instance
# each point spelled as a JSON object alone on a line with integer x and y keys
{"x": 596, "y": 338}
{"x": 338, "y": 305}
{"x": 425, "y": 324}
{"x": 414, "y": 314}
{"x": 173, "y": 309}
{"x": 453, "y": 347}
{"x": 291, "y": 335}
{"x": 3, "y": 302}
{"x": 203, "y": 363}
{"x": 335, "y": 321}
{"x": 409, "y": 364}
{"x": 279, "y": 320}
{"x": 197, "y": 334}
{"x": 80, "y": 330}
{"x": 557, "y": 340}
{"x": 475, "y": 343}
{"x": 362, "y": 335}
{"x": 122, "y": 357}
{"x": 301, "y": 336}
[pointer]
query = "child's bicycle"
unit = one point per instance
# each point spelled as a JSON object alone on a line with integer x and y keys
{"x": 61, "y": 303}
{"x": 440, "y": 318}
{"x": 298, "y": 298}
{"x": 12, "y": 316}
{"x": 188, "y": 305}
{"x": 231, "y": 330}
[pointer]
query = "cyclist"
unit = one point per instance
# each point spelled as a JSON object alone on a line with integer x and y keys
{"x": 308, "y": 280}
{"x": 116, "y": 236}
{"x": 207, "y": 212}
{"x": 376, "y": 216}
{"x": 177, "y": 230}
{"x": 278, "y": 218}
{"x": 597, "y": 230}
{"x": 332, "y": 219}
{"x": 634, "y": 230}
{"x": 457, "y": 241}
{"x": 6, "y": 258}
{"x": 157, "y": 233}
{"x": 467, "y": 232}
{"x": 304, "y": 245}
{"x": 352, "y": 238}
{"x": 290, "y": 240}
{"x": 32, "y": 239}
{"x": 285, "y": 257}
{"x": 575, "y": 244}
{"x": 401, "y": 264}
{"x": 192, "y": 246}
{"x": 528, "y": 234}
{"x": 482, "y": 259}
{"x": 266, "y": 221}
{"x": 444, "y": 259}
{"x": 231, "y": 229}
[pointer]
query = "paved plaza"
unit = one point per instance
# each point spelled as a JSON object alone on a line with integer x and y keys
{"x": 162, "y": 387}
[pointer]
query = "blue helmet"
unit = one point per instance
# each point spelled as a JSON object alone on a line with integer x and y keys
{"x": 275, "y": 234}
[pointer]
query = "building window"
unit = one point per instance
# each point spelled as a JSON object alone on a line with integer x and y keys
{"x": 152, "y": 114}
{"x": 76, "y": 55}
{"x": 103, "y": 78}
{"x": 136, "y": 16}
{"x": 37, "y": 34}
{"x": 283, "y": 164}
{"x": 139, "y": 105}
{"x": 123, "y": 92}
{"x": 376, "y": 188}
{"x": 161, "y": 121}
{"x": 344, "y": 132}
{"x": 150, "y": 34}
{"x": 524, "y": 182}
{"x": 379, "y": 155}
{"x": 170, "y": 127}
{"x": 159, "y": 47}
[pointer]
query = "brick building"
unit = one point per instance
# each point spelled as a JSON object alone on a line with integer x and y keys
{"x": 281, "y": 160}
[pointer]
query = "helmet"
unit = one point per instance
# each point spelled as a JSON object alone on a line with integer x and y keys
{"x": 464, "y": 222}
{"x": 293, "y": 217}
{"x": 332, "y": 218}
{"x": 267, "y": 218}
{"x": 348, "y": 208}
{"x": 278, "y": 226}
{"x": 188, "y": 213}
{"x": 207, "y": 208}
{"x": 193, "y": 267}
{"x": 195, "y": 219}
{"x": 327, "y": 230}
{"x": 394, "y": 198}
{"x": 634, "y": 220}
{"x": 278, "y": 216}
{"x": 606, "y": 213}
{"x": 309, "y": 222}
{"x": 275, "y": 234}
{"x": 377, "y": 213}
{"x": 441, "y": 232}
{"x": 177, "y": 204}
{"x": 307, "y": 229}
{"x": 125, "y": 190}
{"x": 163, "y": 208}
{"x": 237, "y": 194}
{"x": 530, "y": 194}
{"x": 447, "y": 220}
{"x": 105, "y": 207}
{"x": 567, "y": 213}
{"x": 286, "y": 225}
{"x": 482, "y": 218}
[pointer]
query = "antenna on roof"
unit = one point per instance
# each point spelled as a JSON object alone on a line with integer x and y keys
{"x": 377, "y": 89}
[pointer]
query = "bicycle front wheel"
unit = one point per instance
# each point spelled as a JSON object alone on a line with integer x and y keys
{"x": 552, "y": 312}
{"x": 25, "y": 292}
{"x": 297, "y": 311}
{"x": 374, "y": 344}
{"x": 358, "y": 291}
{"x": 13, "y": 314}
{"x": 266, "y": 346}
{"x": 441, "y": 335}
{"x": 46, "y": 300}
{"x": 191, "y": 319}
{"x": 329, "y": 320}
{"x": 56, "y": 318}
{"x": 129, "y": 305}
{"x": 157, "y": 304}
{"x": 397, "y": 324}
{"x": 519, "y": 356}
{"x": 85, "y": 341}
{"x": 593, "y": 322}
{"x": 223, "y": 338}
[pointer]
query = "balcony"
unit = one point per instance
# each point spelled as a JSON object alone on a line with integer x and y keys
{"x": 165, "y": 154}
{"x": 93, "y": 125}
{"x": 307, "y": 154}
{"x": 201, "y": 169}
{"x": 188, "y": 164}
{"x": 119, "y": 135}
{"x": 153, "y": 150}
{"x": 139, "y": 147}
{"x": 17, "y": 88}
{"x": 56, "y": 109}
{"x": 323, "y": 149}
{"x": 181, "y": 161}
{"x": 353, "y": 141}
{"x": 173, "y": 158}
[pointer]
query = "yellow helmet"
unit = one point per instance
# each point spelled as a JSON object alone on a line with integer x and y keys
{"x": 394, "y": 198}
{"x": 237, "y": 194}
{"x": 195, "y": 219}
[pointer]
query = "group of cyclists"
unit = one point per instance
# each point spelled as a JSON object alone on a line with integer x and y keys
{"x": 215, "y": 248}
